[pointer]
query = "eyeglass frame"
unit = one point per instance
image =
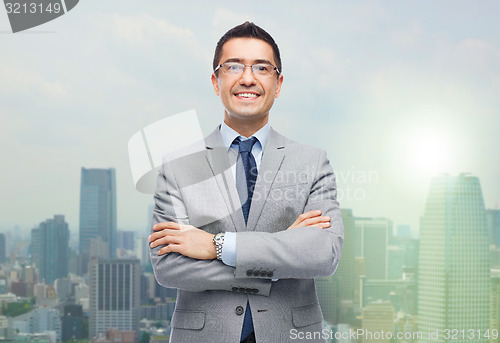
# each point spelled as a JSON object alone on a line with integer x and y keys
{"x": 246, "y": 66}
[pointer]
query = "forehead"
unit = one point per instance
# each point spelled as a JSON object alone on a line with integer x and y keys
{"x": 247, "y": 50}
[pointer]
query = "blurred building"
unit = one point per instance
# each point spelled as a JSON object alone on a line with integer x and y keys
{"x": 114, "y": 296}
{"x": 51, "y": 245}
{"x": 493, "y": 223}
{"x": 328, "y": 291}
{"x": 97, "y": 210}
{"x": 3, "y": 248}
{"x": 378, "y": 322}
{"x": 372, "y": 236}
{"x": 39, "y": 320}
{"x": 345, "y": 274}
{"x": 72, "y": 323}
{"x": 454, "y": 271}
{"x": 495, "y": 302}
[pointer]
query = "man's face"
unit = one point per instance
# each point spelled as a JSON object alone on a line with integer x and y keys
{"x": 247, "y": 97}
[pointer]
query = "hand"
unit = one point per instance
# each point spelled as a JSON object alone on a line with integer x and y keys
{"x": 311, "y": 218}
{"x": 183, "y": 239}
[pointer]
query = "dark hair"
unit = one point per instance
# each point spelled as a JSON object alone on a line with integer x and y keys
{"x": 247, "y": 30}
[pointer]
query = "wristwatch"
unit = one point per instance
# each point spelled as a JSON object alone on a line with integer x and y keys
{"x": 218, "y": 241}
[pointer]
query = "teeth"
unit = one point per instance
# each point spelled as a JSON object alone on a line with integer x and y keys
{"x": 247, "y": 95}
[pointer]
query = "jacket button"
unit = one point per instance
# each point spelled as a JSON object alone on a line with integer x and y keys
{"x": 239, "y": 310}
{"x": 256, "y": 273}
{"x": 270, "y": 274}
{"x": 234, "y": 289}
{"x": 263, "y": 273}
{"x": 255, "y": 290}
{"x": 249, "y": 273}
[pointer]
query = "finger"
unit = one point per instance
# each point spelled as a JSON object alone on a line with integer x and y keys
{"x": 309, "y": 214}
{"x": 165, "y": 232}
{"x": 304, "y": 216}
{"x": 165, "y": 240}
{"x": 166, "y": 225}
{"x": 315, "y": 220}
{"x": 169, "y": 248}
{"x": 324, "y": 225}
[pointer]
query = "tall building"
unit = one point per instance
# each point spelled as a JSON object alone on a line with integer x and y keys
{"x": 114, "y": 295}
{"x": 345, "y": 270}
{"x": 328, "y": 298}
{"x": 395, "y": 262}
{"x": 34, "y": 248}
{"x": 344, "y": 277}
{"x": 493, "y": 222}
{"x": 454, "y": 274}
{"x": 495, "y": 302}
{"x": 378, "y": 322}
{"x": 372, "y": 236}
{"x": 97, "y": 210}
{"x": 403, "y": 231}
{"x": 52, "y": 246}
{"x": 3, "y": 247}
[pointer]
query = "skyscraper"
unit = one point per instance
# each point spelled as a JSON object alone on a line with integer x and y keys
{"x": 453, "y": 262}
{"x": 52, "y": 244}
{"x": 345, "y": 270}
{"x": 378, "y": 318}
{"x": 372, "y": 236}
{"x": 3, "y": 247}
{"x": 114, "y": 295}
{"x": 495, "y": 302}
{"x": 97, "y": 210}
{"x": 493, "y": 222}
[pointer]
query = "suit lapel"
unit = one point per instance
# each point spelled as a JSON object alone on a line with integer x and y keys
{"x": 218, "y": 162}
{"x": 272, "y": 159}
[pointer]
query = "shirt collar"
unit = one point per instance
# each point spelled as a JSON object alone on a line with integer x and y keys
{"x": 229, "y": 135}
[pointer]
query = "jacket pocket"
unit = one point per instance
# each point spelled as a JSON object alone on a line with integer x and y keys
{"x": 184, "y": 319}
{"x": 306, "y": 315}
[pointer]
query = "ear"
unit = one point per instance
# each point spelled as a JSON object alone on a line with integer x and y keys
{"x": 215, "y": 83}
{"x": 278, "y": 87}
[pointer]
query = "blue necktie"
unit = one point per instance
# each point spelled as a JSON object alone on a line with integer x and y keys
{"x": 248, "y": 161}
{"x": 245, "y": 148}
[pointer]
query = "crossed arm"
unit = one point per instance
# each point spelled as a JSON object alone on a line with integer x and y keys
{"x": 193, "y": 242}
{"x": 184, "y": 256}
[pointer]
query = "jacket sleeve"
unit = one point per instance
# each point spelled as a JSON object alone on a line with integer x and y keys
{"x": 174, "y": 270}
{"x": 303, "y": 252}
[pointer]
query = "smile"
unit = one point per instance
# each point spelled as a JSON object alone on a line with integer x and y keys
{"x": 247, "y": 95}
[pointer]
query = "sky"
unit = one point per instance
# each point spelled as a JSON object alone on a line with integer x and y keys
{"x": 395, "y": 92}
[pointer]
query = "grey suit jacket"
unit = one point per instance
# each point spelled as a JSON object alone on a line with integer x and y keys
{"x": 200, "y": 190}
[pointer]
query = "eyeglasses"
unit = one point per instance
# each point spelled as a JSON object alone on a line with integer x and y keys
{"x": 259, "y": 69}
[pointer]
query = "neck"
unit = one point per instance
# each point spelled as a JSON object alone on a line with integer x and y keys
{"x": 245, "y": 128}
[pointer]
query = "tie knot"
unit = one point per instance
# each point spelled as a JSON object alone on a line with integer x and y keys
{"x": 246, "y": 145}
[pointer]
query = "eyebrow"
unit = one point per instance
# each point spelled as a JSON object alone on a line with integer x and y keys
{"x": 239, "y": 60}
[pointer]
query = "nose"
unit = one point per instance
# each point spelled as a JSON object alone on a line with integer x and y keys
{"x": 247, "y": 77}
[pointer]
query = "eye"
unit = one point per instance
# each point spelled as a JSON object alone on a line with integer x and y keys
{"x": 262, "y": 68}
{"x": 233, "y": 67}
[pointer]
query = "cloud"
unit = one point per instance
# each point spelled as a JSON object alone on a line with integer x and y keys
{"x": 26, "y": 80}
{"x": 479, "y": 54}
{"x": 410, "y": 37}
{"x": 224, "y": 19}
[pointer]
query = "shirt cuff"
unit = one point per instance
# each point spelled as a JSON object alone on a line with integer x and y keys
{"x": 229, "y": 249}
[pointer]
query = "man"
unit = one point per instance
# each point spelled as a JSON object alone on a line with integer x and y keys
{"x": 243, "y": 228}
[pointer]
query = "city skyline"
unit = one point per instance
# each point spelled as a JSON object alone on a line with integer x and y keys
{"x": 451, "y": 273}
{"x": 454, "y": 260}
{"x": 394, "y": 92}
